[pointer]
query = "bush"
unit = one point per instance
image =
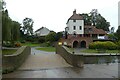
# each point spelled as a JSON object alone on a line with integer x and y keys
{"x": 41, "y": 39}
{"x": 46, "y": 44}
{"x": 7, "y": 44}
{"x": 18, "y": 44}
{"x": 108, "y": 45}
{"x": 118, "y": 43}
{"x": 22, "y": 41}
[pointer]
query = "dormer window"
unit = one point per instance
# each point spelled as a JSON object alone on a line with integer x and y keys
{"x": 74, "y": 20}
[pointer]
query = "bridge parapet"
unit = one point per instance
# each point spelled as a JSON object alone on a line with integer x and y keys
{"x": 72, "y": 59}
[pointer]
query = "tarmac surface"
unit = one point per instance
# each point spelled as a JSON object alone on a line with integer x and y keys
{"x": 42, "y": 64}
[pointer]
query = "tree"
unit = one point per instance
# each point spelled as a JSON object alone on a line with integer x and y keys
{"x": 28, "y": 26}
{"x": 94, "y": 18}
{"x": 94, "y": 15}
{"x": 112, "y": 29}
{"x": 15, "y": 31}
{"x": 102, "y": 23}
{"x": 112, "y": 36}
{"x": 6, "y": 26}
{"x": 118, "y": 33}
{"x": 58, "y": 36}
{"x": 10, "y": 28}
{"x": 50, "y": 37}
{"x": 87, "y": 19}
{"x": 99, "y": 21}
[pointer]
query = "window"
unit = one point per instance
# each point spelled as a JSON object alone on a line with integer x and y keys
{"x": 74, "y": 20}
{"x": 74, "y": 27}
{"x": 80, "y": 27}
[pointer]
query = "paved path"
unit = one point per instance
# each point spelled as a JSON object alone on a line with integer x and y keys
{"x": 43, "y": 60}
{"x": 54, "y": 66}
{"x": 89, "y": 71}
{"x": 34, "y": 51}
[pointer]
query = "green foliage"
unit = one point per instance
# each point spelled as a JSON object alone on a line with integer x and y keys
{"x": 8, "y": 51}
{"x": 108, "y": 45}
{"x": 7, "y": 44}
{"x": 58, "y": 36}
{"x": 11, "y": 44}
{"x": 10, "y": 29}
{"x": 50, "y": 37}
{"x": 118, "y": 33}
{"x": 45, "y": 44}
{"x": 96, "y": 19}
{"x": 112, "y": 36}
{"x": 41, "y": 39}
{"x": 102, "y": 23}
{"x": 96, "y": 51}
{"x": 30, "y": 44}
{"x": 87, "y": 19}
{"x": 28, "y": 26}
{"x": 15, "y": 31}
{"x": 118, "y": 43}
{"x": 6, "y": 26}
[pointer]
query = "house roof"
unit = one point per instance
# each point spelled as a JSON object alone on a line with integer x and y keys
{"x": 94, "y": 30}
{"x": 40, "y": 29}
{"x": 75, "y": 16}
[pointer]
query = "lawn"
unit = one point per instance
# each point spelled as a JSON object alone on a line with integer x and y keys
{"x": 48, "y": 49}
{"x": 96, "y": 51}
{"x": 8, "y": 51}
{"x": 30, "y": 44}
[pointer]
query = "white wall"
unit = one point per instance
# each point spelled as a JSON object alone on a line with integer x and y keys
{"x": 43, "y": 32}
{"x": 78, "y": 23}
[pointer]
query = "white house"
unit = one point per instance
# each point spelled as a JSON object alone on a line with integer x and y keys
{"x": 43, "y": 31}
{"x": 78, "y": 34}
{"x": 75, "y": 24}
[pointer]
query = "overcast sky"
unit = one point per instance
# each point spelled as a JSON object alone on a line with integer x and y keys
{"x": 54, "y": 14}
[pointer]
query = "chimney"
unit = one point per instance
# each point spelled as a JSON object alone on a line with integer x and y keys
{"x": 74, "y": 12}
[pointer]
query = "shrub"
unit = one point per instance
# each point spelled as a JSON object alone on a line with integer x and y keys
{"x": 103, "y": 45}
{"x": 22, "y": 41}
{"x": 7, "y": 44}
{"x": 41, "y": 39}
{"x": 118, "y": 43}
{"x": 17, "y": 44}
{"x": 46, "y": 44}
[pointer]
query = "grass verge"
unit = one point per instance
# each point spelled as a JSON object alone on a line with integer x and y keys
{"x": 8, "y": 51}
{"x": 30, "y": 44}
{"x": 48, "y": 49}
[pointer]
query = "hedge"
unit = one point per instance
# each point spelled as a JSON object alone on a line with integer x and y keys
{"x": 108, "y": 45}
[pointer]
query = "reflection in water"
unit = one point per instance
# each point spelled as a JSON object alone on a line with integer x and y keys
{"x": 102, "y": 60}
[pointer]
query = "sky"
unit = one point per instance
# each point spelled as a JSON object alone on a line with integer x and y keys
{"x": 54, "y": 14}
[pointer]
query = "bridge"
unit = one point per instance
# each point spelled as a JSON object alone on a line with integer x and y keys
{"x": 40, "y": 64}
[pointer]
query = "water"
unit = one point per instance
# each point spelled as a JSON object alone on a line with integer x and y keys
{"x": 101, "y": 59}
